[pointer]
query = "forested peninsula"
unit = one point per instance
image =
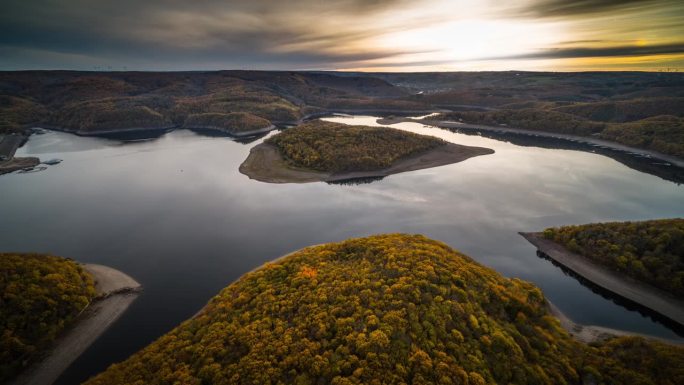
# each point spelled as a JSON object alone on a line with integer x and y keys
{"x": 640, "y": 262}
{"x": 52, "y": 309}
{"x": 386, "y": 309}
{"x": 649, "y": 251}
{"x": 41, "y": 296}
{"x": 326, "y": 151}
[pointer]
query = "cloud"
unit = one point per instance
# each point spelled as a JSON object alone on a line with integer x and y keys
{"x": 320, "y": 34}
{"x": 588, "y": 52}
{"x": 572, "y": 8}
{"x": 260, "y": 33}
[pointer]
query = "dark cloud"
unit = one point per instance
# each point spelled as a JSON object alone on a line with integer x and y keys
{"x": 259, "y": 33}
{"x": 569, "y": 8}
{"x": 587, "y": 52}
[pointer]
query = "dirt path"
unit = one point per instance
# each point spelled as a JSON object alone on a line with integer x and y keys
{"x": 116, "y": 291}
{"x": 265, "y": 164}
{"x": 626, "y": 287}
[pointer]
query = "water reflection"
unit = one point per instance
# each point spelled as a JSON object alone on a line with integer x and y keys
{"x": 616, "y": 298}
{"x": 176, "y": 214}
{"x": 638, "y": 162}
{"x": 134, "y": 135}
{"x": 357, "y": 181}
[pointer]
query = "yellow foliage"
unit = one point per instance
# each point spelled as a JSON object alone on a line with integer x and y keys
{"x": 39, "y": 296}
{"x": 308, "y": 272}
{"x": 386, "y": 309}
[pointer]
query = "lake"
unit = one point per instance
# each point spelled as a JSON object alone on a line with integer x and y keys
{"x": 175, "y": 214}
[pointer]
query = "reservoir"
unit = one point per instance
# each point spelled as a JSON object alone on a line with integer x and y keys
{"x": 175, "y": 213}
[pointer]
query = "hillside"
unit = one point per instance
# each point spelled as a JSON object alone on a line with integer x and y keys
{"x": 637, "y": 109}
{"x": 41, "y": 295}
{"x": 234, "y": 123}
{"x": 90, "y": 102}
{"x": 650, "y": 251}
{"x": 662, "y": 133}
{"x": 392, "y": 309}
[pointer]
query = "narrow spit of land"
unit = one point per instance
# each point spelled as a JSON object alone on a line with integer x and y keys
{"x": 115, "y": 292}
{"x": 626, "y": 287}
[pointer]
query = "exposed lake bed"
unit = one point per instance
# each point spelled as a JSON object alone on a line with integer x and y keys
{"x": 204, "y": 222}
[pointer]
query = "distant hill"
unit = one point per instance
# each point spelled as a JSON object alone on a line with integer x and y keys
{"x": 89, "y": 102}
{"x": 639, "y": 109}
{"x": 387, "y": 309}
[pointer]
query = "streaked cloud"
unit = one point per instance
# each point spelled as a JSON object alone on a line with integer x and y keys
{"x": 336, "y": 34}
{"x": 611, "y": 51}
{"x": 579, "y": 8}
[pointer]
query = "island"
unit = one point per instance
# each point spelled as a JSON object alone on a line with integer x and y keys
{"x": 327, "y": 151}
{"x": 53, "y": 309}
{"x": 638, "y": 261}
{"x": 391, "y": 309}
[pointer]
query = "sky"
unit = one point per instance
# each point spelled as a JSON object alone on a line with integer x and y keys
{"x": 354, "y": 35}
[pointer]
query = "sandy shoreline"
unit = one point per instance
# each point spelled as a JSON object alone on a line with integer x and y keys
{"x": 266, "y": 164}
{"x": 115, "y": 292}
{"x": 647, "y": 296}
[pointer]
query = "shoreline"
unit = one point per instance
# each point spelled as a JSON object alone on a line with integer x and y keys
{"x": 115, "y": 293}
{"x": 263, "y": 265}
{"x": 591, "y": 333}
{"x": 241, "y": 134}
{"x": 18, "y": 164}
{"x": 102, "y": 132}
{"x": 573, "y": 138}
{"x": 8, "y": 148}
{"x": 628, "y": 288}
{"x": 673, "y": 160}
{"x": 274, "y": 124}
{"x": 162, "y": 130}
{"x": 266, "y": 164}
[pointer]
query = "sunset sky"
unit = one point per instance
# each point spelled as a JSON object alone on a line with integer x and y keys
{"x": 368, "y": 35}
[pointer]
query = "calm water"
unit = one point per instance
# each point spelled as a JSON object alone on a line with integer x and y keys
{"x": 176, "y": 214}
